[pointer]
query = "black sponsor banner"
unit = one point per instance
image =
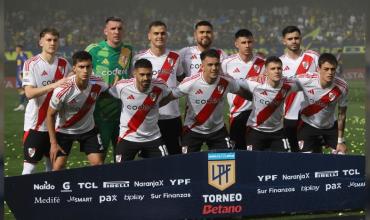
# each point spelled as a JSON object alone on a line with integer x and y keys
{"x": 190, "y": 186}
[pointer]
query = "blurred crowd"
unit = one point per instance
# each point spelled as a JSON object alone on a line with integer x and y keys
{"x": 333, "y": 28}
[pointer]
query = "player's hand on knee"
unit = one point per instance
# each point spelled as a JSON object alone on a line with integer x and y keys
{"x": 54, "y": 149}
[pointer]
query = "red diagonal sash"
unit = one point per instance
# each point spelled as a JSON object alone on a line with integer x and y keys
{"x": 302, "y": 69}
{"x": 212, "y": 102}
{"x": 89, "y": 102}
{"x": 41, "y": 116}
{"x": 324, "y": 101}
{"x": 274, "y": 104}
{"x": 140, "y": 115}
{"x": 168, "y": 65}
{"x": 239, "y": 101}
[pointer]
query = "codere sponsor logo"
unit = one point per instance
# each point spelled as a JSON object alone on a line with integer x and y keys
{"x": 221, "y": 170}
{"x": 221, "y": 175}
{"x": 326, "y": 174}
{"x": 45, "y": 186}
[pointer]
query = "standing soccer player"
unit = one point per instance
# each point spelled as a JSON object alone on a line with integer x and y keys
{"x": 205, "y": 93}
{"x": 41, "y": 74}
{"x": 323, "y": 91}
{"x": 241, "y": 65}
{"x": 203, "y": 36}
{"x": 111, "y": 61}
{"x": 295, "y": 62}
{"x": 20, "y": 60}
{"x": 265, "y": 131}
{"x": 141, "y": 97}
{"x": 70, "y": 114}
{"x": 166, "y": 66}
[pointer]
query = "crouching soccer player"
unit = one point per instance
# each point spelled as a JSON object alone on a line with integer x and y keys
{"x": 70, "y": 114}
{"x": 141, "y": 97}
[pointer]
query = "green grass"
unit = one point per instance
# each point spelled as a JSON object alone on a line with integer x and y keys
{"x": 13, "y": 133}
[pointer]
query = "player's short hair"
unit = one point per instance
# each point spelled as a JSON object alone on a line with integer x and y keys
{"x": 143, "y": 63}
{"x": 19, "y": 46}
{"x": 203, "y": 23}
{"x": 210, "y": 53}
{"x": 113, "y": 18}
{"x": 328, "y": 57}
{"x": 243, "y": 33}
{"x": 49, "y": 30}
{"x": 273, "y": 59}
{"x": 290, "y": 29}
{"x": 156, "y": 24}
{"x": 81, "y": 56}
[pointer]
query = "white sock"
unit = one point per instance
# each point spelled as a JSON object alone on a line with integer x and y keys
{"x": 48, "y": 166}
{"x": 28, "y": 168}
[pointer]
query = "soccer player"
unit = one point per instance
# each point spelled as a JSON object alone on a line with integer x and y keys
{"x": 111, "y": 61}
{"x": 265, "y": 129}
{"x": 323, "y": 91}
{"x": 295, "y": 62}
{"x": 20, "y": 60}
{"x": 203, "y": 36}
{"x": 166, "y": 66}
{"x": 70, "y": 114}
{"x": 141, "y": 97}
{"x": 41, "y": 74}
{"x": 241, "y": 65}
{"x": 205, "y": 93}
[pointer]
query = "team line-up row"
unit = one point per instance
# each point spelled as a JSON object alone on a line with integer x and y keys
{"x": 284, "y": 103}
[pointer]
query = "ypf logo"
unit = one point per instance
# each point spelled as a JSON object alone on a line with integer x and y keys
{"x": 221, "y": 170}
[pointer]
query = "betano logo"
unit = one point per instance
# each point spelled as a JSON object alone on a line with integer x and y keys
{"x": 221, "y": 170}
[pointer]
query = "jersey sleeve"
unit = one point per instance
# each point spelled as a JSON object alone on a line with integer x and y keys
{"x": 223, "y": 67}
{"x": 233, "y": 85}
{"x": 56, "y": 99}
{"x": 28, "y": 75}
{"x": 182, "y": 53}
{"x": 182, "y": 90}
{"x": 115, "y": 91}
{"x": 247, "y": 84}
{"x": 179, "y": 67}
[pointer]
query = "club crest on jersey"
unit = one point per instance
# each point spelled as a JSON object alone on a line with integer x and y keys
{"x": 331, "y": 96}
{"x": 284, "y": 92}
{"x": 170, "y": 61}
{"x": 93, "y": 95}
{"x": 305, "y": 64}
{"x": 220, "y": 88}
{"x": 31, "y": 151}
{"x": 153, "y": 96}
{"x": 256, "y": 68}
{"x": 60, "y": 68}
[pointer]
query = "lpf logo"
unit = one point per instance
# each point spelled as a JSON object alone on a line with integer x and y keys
{"x": 221, "y": 170}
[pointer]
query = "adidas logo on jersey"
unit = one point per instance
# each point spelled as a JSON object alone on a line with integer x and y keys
{"x": 311, "y": 91}
{"x": 236, "y": 70}
{"x": 286, "y": 68}
{"x": 131, "y": 97}
{"x": 264, "y": 93}
{"x": 198, "y": 92}
{"x": 44, "y": 73}
{"x": 194, "y": 56}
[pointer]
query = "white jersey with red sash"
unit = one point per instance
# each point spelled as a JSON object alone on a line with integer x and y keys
{"x": 205, "y": 102}
{"x": 139, "y": 114}
{"x": 167, "y": 67}
{"x": 238, "y": 69}
{"x": 38, "y": 73}
{"x": 306, "y": 62}
{"x": 191, "y": 62}
{"x": 75, "y": 107}
{"x": 268, "y": 103}
{"x": 319, "y": 110}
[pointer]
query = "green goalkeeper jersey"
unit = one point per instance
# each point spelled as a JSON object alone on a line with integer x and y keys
{"x": 110, "y": 64}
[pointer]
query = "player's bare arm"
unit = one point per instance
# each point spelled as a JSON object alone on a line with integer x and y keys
{"x": 246, "y": 94}
{"x": 33, "y": 92}
{"x": 341, "y": 146}
{"x": 167, "y": 99}
{"x": 50, "y": 121}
